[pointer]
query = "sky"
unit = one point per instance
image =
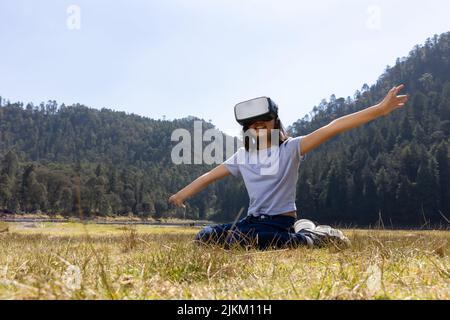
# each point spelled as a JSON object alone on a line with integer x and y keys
{"x": 174, "y": 58}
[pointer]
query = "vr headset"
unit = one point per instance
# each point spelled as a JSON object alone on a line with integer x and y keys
{"x": 259, "y": 109}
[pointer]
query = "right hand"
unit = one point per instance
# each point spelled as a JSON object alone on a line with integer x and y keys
{"x": 177, "y": 200}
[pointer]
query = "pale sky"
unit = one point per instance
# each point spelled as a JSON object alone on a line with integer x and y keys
{"x": 176, "y": 58}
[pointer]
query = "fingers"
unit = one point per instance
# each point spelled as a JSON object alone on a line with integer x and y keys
{"x": 402, "y": 99}
{"x": 397, "y": 89}
{"x": 173, "y": 200}
{"x": 400, "y": 87}
{"x": 179, "y": 204}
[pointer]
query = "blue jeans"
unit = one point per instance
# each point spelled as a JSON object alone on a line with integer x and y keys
{"x": 262, "y": 232}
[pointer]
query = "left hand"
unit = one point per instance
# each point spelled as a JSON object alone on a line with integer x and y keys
{"x": 392, "y": 101}
{"x": 177, "y": 200}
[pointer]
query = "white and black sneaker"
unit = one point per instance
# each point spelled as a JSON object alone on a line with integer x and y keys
{"x": 319, "y": 236}
{"x": 304, "y": 224}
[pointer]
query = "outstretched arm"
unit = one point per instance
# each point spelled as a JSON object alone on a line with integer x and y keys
{"x": 198, "y": 185}
{"x": 391, "y": 102}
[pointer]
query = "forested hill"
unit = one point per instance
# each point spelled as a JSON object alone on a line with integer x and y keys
{"x": 395, "y": 170}
{"x": 60, "y": 159}
{"x": 67, "y": 134}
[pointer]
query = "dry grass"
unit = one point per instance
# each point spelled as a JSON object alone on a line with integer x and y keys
{"x": 72, "y": 261}
{"x": 4, "y": 227}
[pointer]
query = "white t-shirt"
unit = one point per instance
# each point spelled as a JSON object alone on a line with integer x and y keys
{"x": 270, "y": 176}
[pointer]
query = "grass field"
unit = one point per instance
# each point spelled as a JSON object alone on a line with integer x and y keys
{"x": 75, "y": 261}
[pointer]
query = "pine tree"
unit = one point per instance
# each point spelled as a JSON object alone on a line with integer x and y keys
{"x": 407, "y": 206}
{"x": 441, "y": 154}
{"x": 10, "y": 164}
{"x": 66, "y": 201}
{"x": 427, "y": 185}
{"x": 5, "y": 191}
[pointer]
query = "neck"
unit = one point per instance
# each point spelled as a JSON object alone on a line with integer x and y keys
{"x": 267, "y": 145}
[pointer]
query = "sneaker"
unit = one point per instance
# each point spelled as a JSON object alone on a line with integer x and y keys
{"x": 304, "y": 224}
{"x": 335, "y": 235}
{"x": 325, "y": 235}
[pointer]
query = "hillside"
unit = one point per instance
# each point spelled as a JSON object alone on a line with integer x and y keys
{"x": 60, "y": 159}
{"x": 394, "y": 171}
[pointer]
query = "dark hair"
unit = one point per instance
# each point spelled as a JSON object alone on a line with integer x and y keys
{"x": 282, "y": 137}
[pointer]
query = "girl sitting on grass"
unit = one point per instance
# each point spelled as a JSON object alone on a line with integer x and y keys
{"x": 271, "y": 217}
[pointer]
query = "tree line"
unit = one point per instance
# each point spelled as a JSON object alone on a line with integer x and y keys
{"x": 74, "y": 160}
{"x": 78, "y": 161}
{"x": 394, "y": 170}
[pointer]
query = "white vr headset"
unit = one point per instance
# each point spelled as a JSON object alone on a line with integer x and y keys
{"x": 259, "y": 109}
